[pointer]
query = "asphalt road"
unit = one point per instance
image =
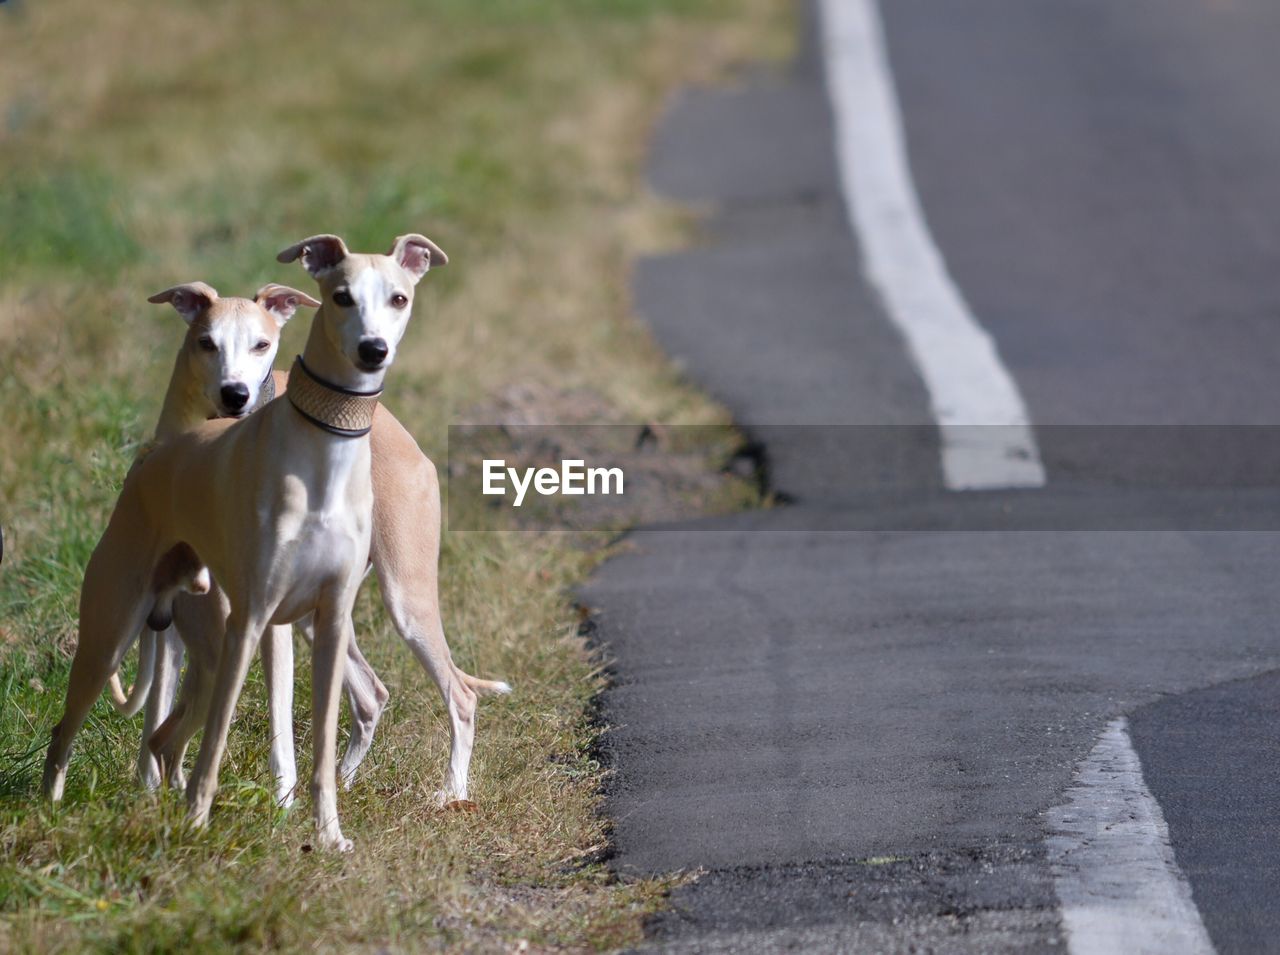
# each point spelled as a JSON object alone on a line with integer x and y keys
{"x": 853, "y": 713}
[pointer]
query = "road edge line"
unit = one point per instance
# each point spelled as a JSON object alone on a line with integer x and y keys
{"x": 1114, "y": 871}
{"x": 987, "y": 440}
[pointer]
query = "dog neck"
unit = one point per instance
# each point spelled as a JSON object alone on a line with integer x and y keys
{"x": 332, "y": 408}
{"x": 328, "y": 390}
{"x": 185, "y": 405}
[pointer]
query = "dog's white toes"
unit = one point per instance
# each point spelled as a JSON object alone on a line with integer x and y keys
{"x": 452, "y": 801}
{"x": 339, "y": 844}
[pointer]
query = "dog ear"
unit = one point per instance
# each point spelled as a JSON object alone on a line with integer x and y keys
{"x": 282, "y": 301}
{"x": 190, "y": 300}
{"x": 416, "y": 253}
{"x": 319, "y": 253}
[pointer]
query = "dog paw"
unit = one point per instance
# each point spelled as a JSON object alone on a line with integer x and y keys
{"x": 452, "y": 802}
{"x": 339, "y": 843}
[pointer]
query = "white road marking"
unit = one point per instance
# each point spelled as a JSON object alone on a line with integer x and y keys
{"x": 1113, "y": 869}
{"x": 987, "y": 441}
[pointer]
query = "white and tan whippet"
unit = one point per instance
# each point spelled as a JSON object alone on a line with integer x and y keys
{"x": 279, "y": 506}
{"x": 227, "y": 348}
{"x": 222, "y": 370}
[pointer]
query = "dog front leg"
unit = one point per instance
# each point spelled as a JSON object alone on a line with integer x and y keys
{"x": 328, "y": 658}
{"x": 277, "y": 660}
{"x": 233, "y": 666}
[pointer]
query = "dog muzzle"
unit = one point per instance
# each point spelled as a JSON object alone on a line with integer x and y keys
{"x": 266, "y": 393}
{"x": 330, "y": 407}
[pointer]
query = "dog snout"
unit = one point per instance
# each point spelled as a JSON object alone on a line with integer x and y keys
{"x": 373, "y": 351}
{"x": 235, "y": 396}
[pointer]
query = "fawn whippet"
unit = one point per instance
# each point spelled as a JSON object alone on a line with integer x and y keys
{"x": 228, "y": 348}
{"x": 223, "y": 370}
{"x": 278, "y": 506}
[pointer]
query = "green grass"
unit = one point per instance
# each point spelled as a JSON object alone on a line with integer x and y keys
{"x": 66, "y": 215}
{"x": 152, "y": 143}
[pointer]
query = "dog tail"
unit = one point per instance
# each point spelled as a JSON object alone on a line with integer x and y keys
{"x": 130, "y": 704}
{"x": 483, "y": 687}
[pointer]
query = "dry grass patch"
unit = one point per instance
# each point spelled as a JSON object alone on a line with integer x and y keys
{"x": 151, "y": 143}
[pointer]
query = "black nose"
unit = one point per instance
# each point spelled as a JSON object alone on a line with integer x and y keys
{"x": 373, "y": 351}
{"x": 235, "y": 396}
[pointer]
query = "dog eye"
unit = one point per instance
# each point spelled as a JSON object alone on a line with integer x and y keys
{"x": 206, "y": 344}
{"x": 262, "y": 346}
{"x": 343, "y": 298}
{"x": 399, "y": 300}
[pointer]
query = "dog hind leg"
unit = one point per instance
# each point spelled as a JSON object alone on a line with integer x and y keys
{"x": 111, "y": 615}
{"x": 168, "y": 744}
{"x": 201, "y": 622}
{"x": 179, "y": 570}
{"x": 238, "y": 647}
{"x": 406, "y": 557}
{"x": 160, "y": 701}
{"x": 367, "y": 697}
{"x": 423, "y": 631}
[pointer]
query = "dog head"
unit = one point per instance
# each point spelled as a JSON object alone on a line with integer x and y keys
{"x": 232, "y": 342}
{"x": 367, "y": 298}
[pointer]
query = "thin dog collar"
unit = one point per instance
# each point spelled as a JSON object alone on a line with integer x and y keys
{"x": 266, "y": 392}
{"x": 331, "y": 407}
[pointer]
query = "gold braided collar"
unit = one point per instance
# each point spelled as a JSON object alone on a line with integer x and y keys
{"x": 330, "y": 407}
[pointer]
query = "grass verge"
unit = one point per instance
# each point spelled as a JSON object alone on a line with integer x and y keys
{"x": 151, "y": 143}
